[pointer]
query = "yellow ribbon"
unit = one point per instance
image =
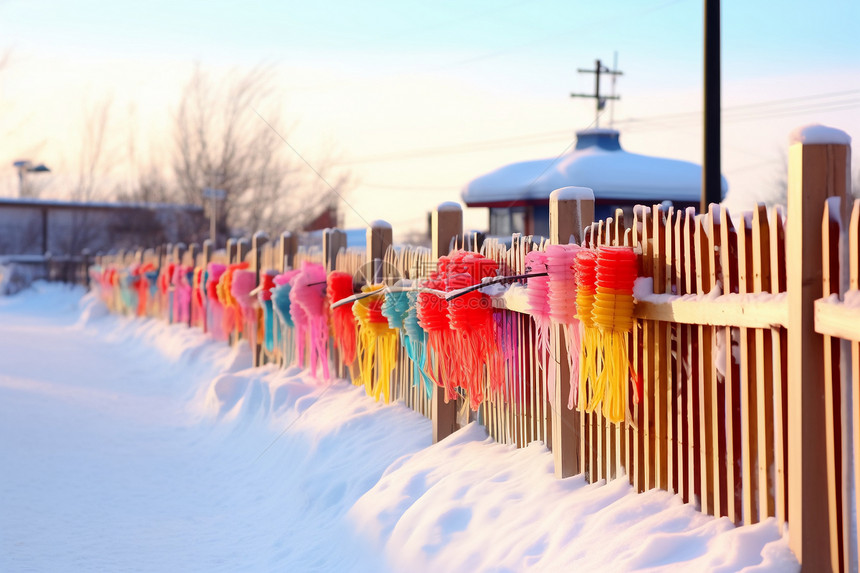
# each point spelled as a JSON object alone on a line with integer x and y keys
{"x": 377, "y": 348}
{"x": 612, "y": 314}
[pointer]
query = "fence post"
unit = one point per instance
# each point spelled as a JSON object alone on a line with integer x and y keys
{"x": 333, "y": 241}
{"x": 193, "y": 251}
{"x": 818, "y": 168}
{"x": 207, "y": 252}
{"x": 85, "y": 260}
{"x": 379, "y": 238}
{"x": 243, "y": 247}
{"x": 446, "y": 224}
{"x": 167, "y": 298}
{"x": 287, "y": 249}
{"x": 178, "y": 254}
{"x": 259, "y": 239}
{"x": 571, "y": 209}
{"x": 231, "y": 251}
{"x": 206, "y": 258}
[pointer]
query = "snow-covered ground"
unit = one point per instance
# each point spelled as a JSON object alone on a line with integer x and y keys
{"x": 129, "y": 445}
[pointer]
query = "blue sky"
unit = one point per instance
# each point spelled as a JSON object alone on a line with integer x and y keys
{"x": 387, "y": 78}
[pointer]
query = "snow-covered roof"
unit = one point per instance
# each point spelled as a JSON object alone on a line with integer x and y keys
{"x": 598, "y": 162}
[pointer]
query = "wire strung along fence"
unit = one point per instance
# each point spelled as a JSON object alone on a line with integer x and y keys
{"x": 518, "y": 411}
{"x": 744, "y": 351}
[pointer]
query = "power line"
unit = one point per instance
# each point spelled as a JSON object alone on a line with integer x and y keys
{"x": 546, "y": 37}
{"x": 590, "y": 28}
{"x": 652, "y": 124}
{"x": 733, "y": 114}
{"x": 460, "y": 147}
{"x": 743, "y": 108}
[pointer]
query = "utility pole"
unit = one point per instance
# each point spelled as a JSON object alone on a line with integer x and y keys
{"x": 712, "y": 190}
{"x": 599, "y": 69}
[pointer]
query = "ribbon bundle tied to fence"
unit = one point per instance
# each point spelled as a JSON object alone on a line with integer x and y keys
{"x": 613, "y": 316}
{"x": 586, "y": 277}
{"x": 281, "y": 304}
{"x": 264, "y": 297}
{"x": 377, "y": 345}
{"x": 308, "y": 297}
{"x": 244, "y": 281}
{"x": 344, "y": 328}
{"x": 561, "y": 260}
{"x": 461, "y": 333}
{"x": 215, "y": 309}
{"x": 400, "y": 308}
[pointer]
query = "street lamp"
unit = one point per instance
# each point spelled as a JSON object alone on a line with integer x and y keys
{"x": 26, "y": 166}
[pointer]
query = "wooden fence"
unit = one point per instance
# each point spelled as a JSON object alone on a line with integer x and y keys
{"x": 746, "y": 342}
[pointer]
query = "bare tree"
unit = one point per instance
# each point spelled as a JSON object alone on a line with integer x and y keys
{"x": 779, "y": 188}
{"x": 150, "y": 186}
{"x": 222, "y": 142}
{"x": 81, "y": 228}
{"x": 93, "y": 162}
{"x": 777, "y": 193}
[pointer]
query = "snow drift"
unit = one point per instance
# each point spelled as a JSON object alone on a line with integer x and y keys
{"x": 142, "y": 446}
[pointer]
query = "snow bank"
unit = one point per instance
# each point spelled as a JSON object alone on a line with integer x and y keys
{"x": 146, "y": 446}
{"x": 484, "y": 506}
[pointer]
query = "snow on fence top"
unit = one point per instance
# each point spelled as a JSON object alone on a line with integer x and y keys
{"x": 597, "y": 162}
{"x": 449, "y": 206}
{"x": 571, "y": 193}
{"x": 817, "y": 134}
{"x": 380, "y": 224}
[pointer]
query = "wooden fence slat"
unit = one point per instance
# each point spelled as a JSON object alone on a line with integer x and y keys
{"x": 854, "y": 284}
{"x": 679, "y": 385}
{"x": 705, "y": 376}
{"x": 729, "y": 262}
{"x": 749, "y": 457}
{"x": 637, "y": 454}
{"x": 764, "y": 366}
{"x": 718, "y": 394}
{"x": 830, "y": 236}
{"x": 691, "y": 375}
{"x": 658, "y": 335}
{"x": 648, "y": 356}
{"x": 674, "y": 272}
{"x": 777, "y": 244}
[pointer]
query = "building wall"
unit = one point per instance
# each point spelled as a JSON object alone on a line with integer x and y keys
{"x": 71, "y": 229}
